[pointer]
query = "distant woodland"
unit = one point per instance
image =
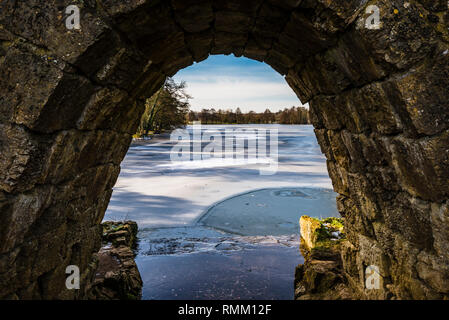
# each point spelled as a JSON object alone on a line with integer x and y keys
{"x": 169, "y": 108}
{"x": 294, "y": 115}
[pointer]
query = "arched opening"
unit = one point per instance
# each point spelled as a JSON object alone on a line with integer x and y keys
{"x": 220, "y": 220}
{"x": 71, "y": 101}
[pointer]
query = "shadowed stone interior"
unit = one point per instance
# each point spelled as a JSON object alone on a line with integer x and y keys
{"x": 71, "y": 99}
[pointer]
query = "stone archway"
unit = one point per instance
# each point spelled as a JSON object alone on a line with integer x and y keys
{"x": 71, "y": 100}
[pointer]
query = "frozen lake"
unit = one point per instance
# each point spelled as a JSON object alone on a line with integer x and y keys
{"x": 219, "y": 229}
{"x": 156, "y": 192}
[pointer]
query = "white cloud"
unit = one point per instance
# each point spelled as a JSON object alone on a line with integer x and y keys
{"x": 246, "y": 91}
{"x": 224, "y": 82}
{"x": 248, "y": 95}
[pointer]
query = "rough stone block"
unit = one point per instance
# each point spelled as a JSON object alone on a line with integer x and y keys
{"x": 192, "y": 15}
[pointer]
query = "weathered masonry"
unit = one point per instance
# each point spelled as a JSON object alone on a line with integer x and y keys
{"x": 70, "y": 100}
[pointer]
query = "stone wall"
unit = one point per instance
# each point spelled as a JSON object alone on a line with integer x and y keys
{"x": 71, "y": 99}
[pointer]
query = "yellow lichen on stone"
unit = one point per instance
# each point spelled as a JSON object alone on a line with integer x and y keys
{"x": 308, "y": 227}
{"x": 320, "y": 234}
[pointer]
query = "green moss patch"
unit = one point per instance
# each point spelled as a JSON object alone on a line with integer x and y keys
{"x": 327, "y": 234}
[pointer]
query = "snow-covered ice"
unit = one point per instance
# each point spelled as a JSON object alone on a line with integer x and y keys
{"x": 156, "y": 192}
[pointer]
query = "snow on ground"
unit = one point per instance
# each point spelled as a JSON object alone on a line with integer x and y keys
{"x": 156, "y": 192}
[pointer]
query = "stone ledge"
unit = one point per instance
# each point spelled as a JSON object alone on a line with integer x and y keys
{"x": 117, "y": 276}
{"x": 321, "y": 277}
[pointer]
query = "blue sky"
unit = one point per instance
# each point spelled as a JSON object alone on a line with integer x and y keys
{"x": 227, "y": 82}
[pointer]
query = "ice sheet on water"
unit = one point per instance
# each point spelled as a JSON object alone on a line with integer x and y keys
{"x": 199, "y": 239}
{"x": 270, "y": 211}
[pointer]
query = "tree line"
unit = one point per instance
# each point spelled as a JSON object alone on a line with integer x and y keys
{"x": 169, "y": 108}
{"x": 293, "y": 115}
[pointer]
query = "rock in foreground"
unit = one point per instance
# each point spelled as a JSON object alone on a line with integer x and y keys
{"x": 117, "y": 276}
{"x": 321, "y": 276}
